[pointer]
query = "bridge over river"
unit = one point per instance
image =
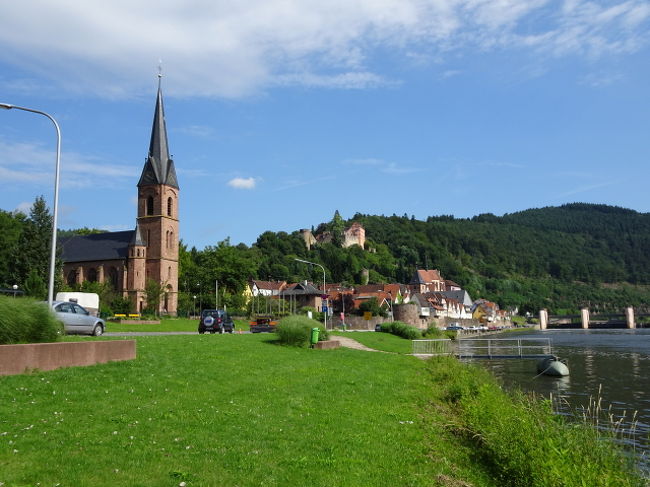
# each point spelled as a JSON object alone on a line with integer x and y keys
{"x": 586, "y": 320}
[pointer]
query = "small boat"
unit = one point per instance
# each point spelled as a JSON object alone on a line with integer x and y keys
{"x": 552, "y": 366}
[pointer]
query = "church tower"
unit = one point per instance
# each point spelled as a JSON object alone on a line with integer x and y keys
{"x": 157, "y": 222}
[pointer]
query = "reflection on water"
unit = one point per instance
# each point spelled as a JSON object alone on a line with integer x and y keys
{"x": 610, "y": 365}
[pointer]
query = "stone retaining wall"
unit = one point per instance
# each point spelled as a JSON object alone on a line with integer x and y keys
{"x": 17, "y": 359}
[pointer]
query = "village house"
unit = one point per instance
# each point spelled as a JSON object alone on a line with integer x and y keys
{"x": 427, "y": 281}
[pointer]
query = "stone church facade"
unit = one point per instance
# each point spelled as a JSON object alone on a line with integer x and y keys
{"x": 128, "y": 259}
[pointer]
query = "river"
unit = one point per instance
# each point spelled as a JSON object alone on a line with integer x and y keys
{"x": 612, "y": 366}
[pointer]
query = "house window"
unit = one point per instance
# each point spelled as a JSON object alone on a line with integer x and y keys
{"x": 170, "y": 206}
{"x": 149, "y": 205}
{"x": 72, "y": 278}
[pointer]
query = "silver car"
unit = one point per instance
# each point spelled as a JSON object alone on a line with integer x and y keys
{"x": 77, "y": 320}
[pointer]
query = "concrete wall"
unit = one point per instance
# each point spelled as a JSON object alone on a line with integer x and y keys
{"x": 16, "y": 359}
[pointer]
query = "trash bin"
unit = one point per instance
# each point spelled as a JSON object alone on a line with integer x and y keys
{"x": 314, "y": 335}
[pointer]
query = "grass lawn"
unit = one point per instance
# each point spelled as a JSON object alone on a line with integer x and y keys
{"x": 380, "y": 341}
{"x": 240, "y": 410}
{"x": 170, "y": 324}
{"x": 220, "y": 410}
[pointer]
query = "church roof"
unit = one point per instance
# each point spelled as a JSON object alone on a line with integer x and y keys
{"x": 158, "y": 167}
{"x": 97, "y": 246}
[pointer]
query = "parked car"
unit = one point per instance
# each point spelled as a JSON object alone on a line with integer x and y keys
{"x": 216, "y": 320}
{"x": 454, "y": 328}
{"x": 262, "y": 324}
{"x": 77, "y": 320}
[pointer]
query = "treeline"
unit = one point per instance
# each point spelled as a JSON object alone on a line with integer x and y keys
{"x": 559, "y": 258}
{"x": 25, "y": 249}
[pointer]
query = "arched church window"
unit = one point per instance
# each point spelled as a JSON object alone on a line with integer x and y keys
{"x": 92, "y": 275}
{"x": 112, "y": 277}
{"x": 170, "y": 206}
{"x": 149, "y": 205}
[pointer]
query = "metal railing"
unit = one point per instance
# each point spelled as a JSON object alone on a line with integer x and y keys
{"x": 504, "y": 348}
{"x": 442, "y": 346}
{"x": 485, "y": 347}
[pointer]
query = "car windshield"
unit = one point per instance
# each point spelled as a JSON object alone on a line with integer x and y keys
{"x": 215, "y": 313}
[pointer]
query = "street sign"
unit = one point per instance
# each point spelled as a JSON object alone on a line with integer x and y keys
{"x": 324, "y": 309}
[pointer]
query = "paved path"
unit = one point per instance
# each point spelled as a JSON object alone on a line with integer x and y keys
{"x": 350, "y": 343}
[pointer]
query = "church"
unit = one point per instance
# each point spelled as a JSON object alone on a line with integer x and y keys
{"x": 128, "y": 259}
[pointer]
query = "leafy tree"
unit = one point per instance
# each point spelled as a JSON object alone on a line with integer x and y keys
{"x": 154, "y": 291}
{"x": 35, "y": 286}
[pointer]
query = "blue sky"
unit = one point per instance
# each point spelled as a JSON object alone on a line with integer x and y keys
{"x": 280, "y": 112}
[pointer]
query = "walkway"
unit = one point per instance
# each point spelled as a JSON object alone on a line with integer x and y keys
{"x": 350, "y": 343}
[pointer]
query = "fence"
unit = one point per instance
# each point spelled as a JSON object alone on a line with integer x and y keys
{"x": 485, "y": 348}
{"x": 442, "y": 346}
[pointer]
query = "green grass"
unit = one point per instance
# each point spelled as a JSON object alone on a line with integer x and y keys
{"x": 380, "y": 341}
{"x": 240, "y": 410}
{"x": 218, "y": 410}
{"x": 166, "y": 325}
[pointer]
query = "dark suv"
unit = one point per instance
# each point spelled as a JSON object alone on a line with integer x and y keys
{"x": 216, "y": 320}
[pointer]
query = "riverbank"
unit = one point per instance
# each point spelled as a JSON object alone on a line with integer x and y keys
{"x": 241, "y": 410}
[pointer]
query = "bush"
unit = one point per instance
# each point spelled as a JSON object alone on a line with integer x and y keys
{"x": 401, "y": 329}
{"x": 434, "y": 332}
{"x": 27, "y": 321}
{"x": 295, "y": 330}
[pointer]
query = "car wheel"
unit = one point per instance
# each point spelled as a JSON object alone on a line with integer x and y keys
{"x": 98, "y": 330}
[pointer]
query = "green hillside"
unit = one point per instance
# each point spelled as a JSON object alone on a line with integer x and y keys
{"x": 557, "y": 257}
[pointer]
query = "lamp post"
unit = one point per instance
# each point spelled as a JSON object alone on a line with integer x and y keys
{"x": 15, "y": 288}
{"x": 324, "y": 292}
{"x": 50, "y": 286}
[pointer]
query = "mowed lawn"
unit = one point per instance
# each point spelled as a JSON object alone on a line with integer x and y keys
{"x": 227, "y": 410}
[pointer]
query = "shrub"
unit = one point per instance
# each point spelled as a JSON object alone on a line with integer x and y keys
{"x": 401, "y": 329}
{"x": 434, "y": 332}
{"x": 295, "y": 330}
{"x": 27, "y": 321}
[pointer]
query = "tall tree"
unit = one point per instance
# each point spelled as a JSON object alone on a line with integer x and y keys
{"x": 33, "y": 252}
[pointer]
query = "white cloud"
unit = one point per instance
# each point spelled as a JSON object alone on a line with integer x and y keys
{"x": 382, "y": 166}
{"x": 220, "y": 48}
{"x": 24, "y": 207}
{"x": 29, "y": 163}
{"x": 242, "y": 183}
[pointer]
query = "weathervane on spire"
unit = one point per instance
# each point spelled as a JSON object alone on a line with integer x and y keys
{"x": 159, "y": 71}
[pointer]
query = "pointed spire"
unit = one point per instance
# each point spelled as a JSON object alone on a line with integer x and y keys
{"x": 137, "y": 239}
{"x": 158, "y": 167}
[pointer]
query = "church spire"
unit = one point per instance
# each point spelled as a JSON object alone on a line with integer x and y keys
{"x": 159, "y": 167}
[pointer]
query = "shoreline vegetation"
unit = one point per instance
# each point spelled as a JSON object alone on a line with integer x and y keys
{"x": 243, "y": 410}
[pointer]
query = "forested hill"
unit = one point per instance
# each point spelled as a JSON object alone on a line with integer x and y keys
{"x": 558, "y": 257}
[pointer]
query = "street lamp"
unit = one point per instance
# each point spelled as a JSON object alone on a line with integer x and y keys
{"x": 50, "y": 286}
{"x": 15, "y": 288}
{"x": 324, "y": 291}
